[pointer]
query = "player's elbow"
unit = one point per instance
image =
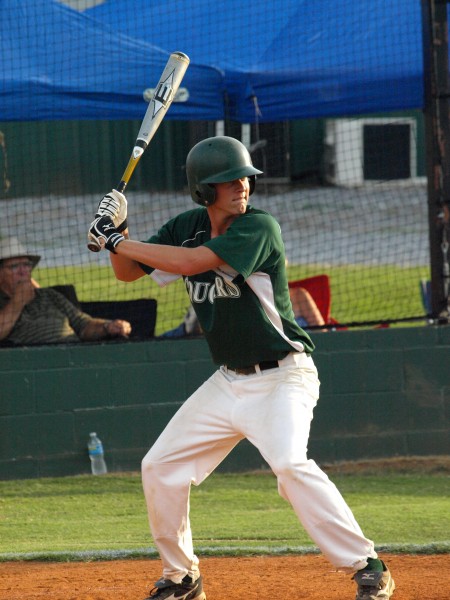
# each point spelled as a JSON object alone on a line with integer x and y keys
{"x": 127, "y": 272}
{"x": 199, "y": 260}
{"x": 125, "y": 277}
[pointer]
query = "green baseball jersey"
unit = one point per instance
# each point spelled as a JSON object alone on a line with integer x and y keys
{"x": 244, "y": 306}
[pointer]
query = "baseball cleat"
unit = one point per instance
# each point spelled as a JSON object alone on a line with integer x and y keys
{"x": 165, "y": 589}
{"x": 374, "y": 585}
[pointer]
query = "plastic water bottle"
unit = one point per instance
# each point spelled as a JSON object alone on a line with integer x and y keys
{"x": 95, "y": 448}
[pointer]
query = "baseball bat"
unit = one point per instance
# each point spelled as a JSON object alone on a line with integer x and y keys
{"x": 159, "y": 104}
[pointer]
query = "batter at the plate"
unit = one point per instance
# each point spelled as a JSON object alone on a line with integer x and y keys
{"x": 231, "y": 256}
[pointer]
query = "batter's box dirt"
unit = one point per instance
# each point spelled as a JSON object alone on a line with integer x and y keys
{"x": 418, "y": 577}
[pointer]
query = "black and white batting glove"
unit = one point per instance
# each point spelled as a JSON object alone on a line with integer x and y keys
{"x": 114, "y": 205}
{"x": 103, "y": 228}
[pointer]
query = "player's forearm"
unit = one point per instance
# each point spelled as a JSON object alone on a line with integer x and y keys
{"x": 172, "y": 259}
{"x": 125, "y": 269}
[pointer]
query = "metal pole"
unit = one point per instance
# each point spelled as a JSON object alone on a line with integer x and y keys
{"x": 437, "y": 131}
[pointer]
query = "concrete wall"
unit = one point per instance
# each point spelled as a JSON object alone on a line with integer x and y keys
{"x": 384, "y": 393}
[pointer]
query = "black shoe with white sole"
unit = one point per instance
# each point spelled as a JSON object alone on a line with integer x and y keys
{"x": 165, "y": 589}
{"x": 374, "y": 585}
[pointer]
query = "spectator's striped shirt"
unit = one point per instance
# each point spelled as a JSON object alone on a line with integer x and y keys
{"x": 48, "y": 319}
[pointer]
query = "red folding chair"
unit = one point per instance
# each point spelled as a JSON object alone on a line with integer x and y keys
{"x": 319, "y": 288}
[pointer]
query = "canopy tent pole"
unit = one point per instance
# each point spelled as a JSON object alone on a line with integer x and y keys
{"x": 437, "y": 132}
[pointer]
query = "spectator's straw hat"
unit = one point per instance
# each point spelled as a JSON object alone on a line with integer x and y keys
{"x": 10, "y": 247}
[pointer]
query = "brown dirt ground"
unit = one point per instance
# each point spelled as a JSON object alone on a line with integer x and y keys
{"x": 417, "y": 577}
{"x": 259, "y": 578}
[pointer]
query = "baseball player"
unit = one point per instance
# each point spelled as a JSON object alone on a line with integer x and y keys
{"x": 231, "y": 256}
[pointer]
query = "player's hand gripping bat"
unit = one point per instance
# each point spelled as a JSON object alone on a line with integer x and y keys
{"x": 159, "y": 104}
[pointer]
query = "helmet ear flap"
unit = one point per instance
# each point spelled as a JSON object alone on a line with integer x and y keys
{"x": 205, "y": 194}
{"x": 252, "y": 183}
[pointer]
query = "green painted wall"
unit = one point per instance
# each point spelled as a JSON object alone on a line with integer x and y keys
{"x": 384, "y": 393}
{"x": 63, "y": 153}
{"x": 56, "y": 157}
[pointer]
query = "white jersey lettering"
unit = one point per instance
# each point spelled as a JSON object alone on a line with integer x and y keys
{"x": 199, "y": 292}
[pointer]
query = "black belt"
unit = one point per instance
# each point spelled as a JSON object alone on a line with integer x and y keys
{"x": 263, "y": 365}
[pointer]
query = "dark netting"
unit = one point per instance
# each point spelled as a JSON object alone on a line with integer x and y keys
{"x": 326, "y": 97}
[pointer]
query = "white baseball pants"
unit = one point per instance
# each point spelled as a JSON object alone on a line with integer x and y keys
{"x": 273, "y": 410}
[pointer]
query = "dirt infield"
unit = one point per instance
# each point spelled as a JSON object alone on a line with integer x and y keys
{"x": 311, "y": 577}
{"x": 418, "y": 577}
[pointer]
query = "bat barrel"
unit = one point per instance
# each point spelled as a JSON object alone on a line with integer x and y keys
{"x": 163, "y": 96}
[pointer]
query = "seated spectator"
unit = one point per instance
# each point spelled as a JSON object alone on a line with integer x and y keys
{"x": 188, "y": 327}
{"x": 305, "y": 309}
{"x": 30, "y": 314}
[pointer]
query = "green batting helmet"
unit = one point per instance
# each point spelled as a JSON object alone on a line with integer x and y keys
{"x": 217, "y": 160}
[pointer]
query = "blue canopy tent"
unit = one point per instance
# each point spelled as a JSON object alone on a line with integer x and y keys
{"x": 61, "y": 64}
{"x": 271, "y": 61}
{"x": 292, "y": 59}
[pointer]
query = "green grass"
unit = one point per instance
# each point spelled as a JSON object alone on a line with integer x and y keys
{"x": 363, "y": 293}
{"x": 240, "y": 512}
{"x": 359, "y": 293}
